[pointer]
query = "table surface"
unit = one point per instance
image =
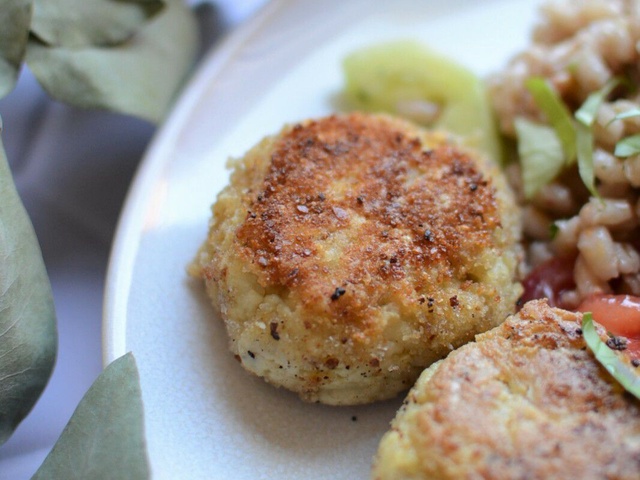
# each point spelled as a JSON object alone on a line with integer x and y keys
{"x": 73, "y": 179}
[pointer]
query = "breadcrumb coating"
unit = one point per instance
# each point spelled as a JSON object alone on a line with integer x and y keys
{"x": 526, "y": 400}
{"x": 350, "y": 252}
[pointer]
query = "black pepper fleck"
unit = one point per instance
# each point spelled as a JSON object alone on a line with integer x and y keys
{"x": 354, "y": 418}
{"x": 617, "y": 343}
{"x": 430, "y": 302}
{"x": 273, "y": 327}
{"x": 337, "y": 293}
{"x": 428, "y": 235}
{"x": 251, "y": 354}
{"x": 473, "y": 187}
{"x": 635, "y": 362}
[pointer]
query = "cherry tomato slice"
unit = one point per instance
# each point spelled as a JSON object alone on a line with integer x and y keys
{"x": 549, "y": 280}
{"x": 620, "y": 315}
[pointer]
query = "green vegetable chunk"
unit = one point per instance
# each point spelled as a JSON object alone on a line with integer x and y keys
{"x": 615, "y": 365}
{"x": 28, "y": 336}
{"x": 541, "y": 155}
{"x": 105, "y": 436}
{"x": 406, "y": 78}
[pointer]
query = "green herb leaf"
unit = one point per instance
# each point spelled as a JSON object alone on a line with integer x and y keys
{"x": 614, "y": 364}
{"x": 541, "y": 155}
{"x": 15, "y": 18}
{"x": 628, "y": 146}
{"x": 105, "y": 436}
{"x": 406, "y": 77}
{"x": 139, "y": 77}
{"x": 585, "y": 158}
{"x": 586, "y": 116}
{"x": 557, "y": 113}
{"x": 28, "y": 337}
{"x": 634, "y": 112}
{"x": 82, "y": 23}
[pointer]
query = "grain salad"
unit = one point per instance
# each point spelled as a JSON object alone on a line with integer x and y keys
{"x": 585, "y": 242}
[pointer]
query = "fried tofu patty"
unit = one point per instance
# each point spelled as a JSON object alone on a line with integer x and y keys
{"x": 527, "y": 400}
{"x": 350, "y": 252}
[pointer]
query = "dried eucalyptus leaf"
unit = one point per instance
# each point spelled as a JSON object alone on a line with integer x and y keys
{"x": 28, "y": 336}
{"x": 105, "y": 435}
{"x": 139, "y": 77}
{"x": 82, "y": 23}
{"x": 15, "y": 18}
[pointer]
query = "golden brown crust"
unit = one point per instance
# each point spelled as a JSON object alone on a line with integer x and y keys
{"x": 424, "y": 208}
{"x": 526, "y": 401}
{"x": 349, "y": 252}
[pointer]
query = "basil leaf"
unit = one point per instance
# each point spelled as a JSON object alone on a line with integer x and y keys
{"x": 628, "y": 146}
{"x": 139, "y": 77}
{"x": 105, "y": 436}
{"x": 557, "y": 113}
{"x": 585, "y": 158}
{"x": 28, "y": 336}
{"x": 541, "y": 155}
{"x": 615, "y": 365}
{"x": 15, "y": 18}
{"x": 586, "y": 114}
{"x": 634, "y": 112}
{"x": 81, "y": 23}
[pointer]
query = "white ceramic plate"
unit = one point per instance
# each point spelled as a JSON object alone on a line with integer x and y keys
{"x": 205, "y": 417}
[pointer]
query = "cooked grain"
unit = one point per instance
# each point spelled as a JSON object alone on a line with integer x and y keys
{"x": 579, "y": 47}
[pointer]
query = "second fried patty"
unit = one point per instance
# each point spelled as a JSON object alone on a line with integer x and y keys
{"x": 350, "y": 252}
{"x": 527, "y": 400}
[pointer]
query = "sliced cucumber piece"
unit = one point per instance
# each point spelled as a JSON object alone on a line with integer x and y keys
{"x": 408, "y": 79}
